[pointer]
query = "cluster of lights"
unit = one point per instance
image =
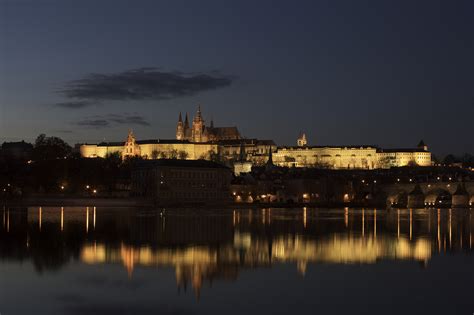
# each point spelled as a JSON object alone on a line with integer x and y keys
{"x": 94, "y": 191}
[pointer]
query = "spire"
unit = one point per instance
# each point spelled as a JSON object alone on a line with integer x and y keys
{"x": 212, "y": 122}
{"x": 186, "y": 121}
{"x": 198, "y": 114}
{"x": 180, "y": 119}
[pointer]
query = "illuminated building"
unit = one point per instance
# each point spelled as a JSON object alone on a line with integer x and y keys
{"x": 349, "y": 157}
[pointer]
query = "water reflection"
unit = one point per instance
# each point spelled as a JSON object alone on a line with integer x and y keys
{"x": 205, "y": 245}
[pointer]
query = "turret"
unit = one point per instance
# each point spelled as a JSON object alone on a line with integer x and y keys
{"x": 422, "y": 146}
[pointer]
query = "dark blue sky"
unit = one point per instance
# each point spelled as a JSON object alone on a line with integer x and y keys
{"x": 345, "y": 72}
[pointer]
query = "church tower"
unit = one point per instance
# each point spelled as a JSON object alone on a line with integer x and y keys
{"x": 198, "y": 127}
{"x": 131, "y": 148}
{"x": 180, "y": 128}
{"x": 302, "y": 142}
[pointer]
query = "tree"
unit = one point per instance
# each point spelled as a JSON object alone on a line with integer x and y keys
{"x": 173, "y": 154}
{"x": 412, "y": 163}
{"x": 183, "y": 155}
{"x": 50, "y": 148}
{"x": 155, "y": 154}
{"x": 450, "y": 159}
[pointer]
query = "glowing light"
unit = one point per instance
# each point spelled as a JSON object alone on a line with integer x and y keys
{"x": 62, "y": 187}
{"x": 346, "y": 198}
{"x": 87, "y": 186}
{"x": 95, "y": 191}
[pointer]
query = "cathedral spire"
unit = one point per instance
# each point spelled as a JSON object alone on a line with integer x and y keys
{"x": 198, "y": 113}
{"x": 186, "y": 121}
{"x": 180, "y": 128}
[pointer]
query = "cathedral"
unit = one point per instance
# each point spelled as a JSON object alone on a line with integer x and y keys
{"x": 199, "y": 132}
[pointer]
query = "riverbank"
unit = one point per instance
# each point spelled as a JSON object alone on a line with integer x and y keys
{"x": 143, "y": 202}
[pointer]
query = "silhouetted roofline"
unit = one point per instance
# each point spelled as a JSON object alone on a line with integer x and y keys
{"x": 179, "y": 163}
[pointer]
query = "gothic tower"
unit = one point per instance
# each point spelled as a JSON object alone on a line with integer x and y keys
{"x": 198, "y": 127}
{"x": 187, "y": 132}
{"x": 180, "y": 128}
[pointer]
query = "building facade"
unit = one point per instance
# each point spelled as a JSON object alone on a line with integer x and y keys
{"x": 350, "y": 157}
{"x": 182, "y": 181}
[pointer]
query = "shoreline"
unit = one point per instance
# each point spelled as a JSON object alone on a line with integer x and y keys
{"x": 143, "y": 202}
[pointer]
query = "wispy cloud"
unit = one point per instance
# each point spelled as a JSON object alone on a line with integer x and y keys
{"x": 94, "y": 123}
{"x": 104, "y": 121}
{"x": 74, "y": 104}
{"x": 140, "y": 84}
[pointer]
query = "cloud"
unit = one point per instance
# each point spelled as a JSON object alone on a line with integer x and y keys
{"x": 128, "y": 119}
{"x": 141, "y": 84}
{"x": 95, "y": 123}
{"x": 74, "y": 104}
{"x": 103, "y": 121}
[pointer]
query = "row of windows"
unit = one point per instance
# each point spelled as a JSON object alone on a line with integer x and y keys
{"x": 195, "y": 174}
{"x": 186, "y": 184}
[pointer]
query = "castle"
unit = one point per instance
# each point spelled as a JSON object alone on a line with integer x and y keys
{"x": 199, "y": 132}
{"x": 198, "y": 141}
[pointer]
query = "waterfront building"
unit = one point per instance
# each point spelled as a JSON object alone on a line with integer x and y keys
{"x": 174, "y": 181}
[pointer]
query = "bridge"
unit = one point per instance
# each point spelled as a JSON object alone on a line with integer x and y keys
{"x": 428, "y": 194}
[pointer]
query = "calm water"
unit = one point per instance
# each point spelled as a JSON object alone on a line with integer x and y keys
{"x": 87, "y": 260}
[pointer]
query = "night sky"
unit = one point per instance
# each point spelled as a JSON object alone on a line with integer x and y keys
{"x": 387, "y": 73}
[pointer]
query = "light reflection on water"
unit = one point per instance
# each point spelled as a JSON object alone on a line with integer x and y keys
{"x": 204, "y": 246}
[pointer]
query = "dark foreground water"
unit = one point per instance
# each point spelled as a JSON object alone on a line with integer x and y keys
{"x": 87, "y": 260}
